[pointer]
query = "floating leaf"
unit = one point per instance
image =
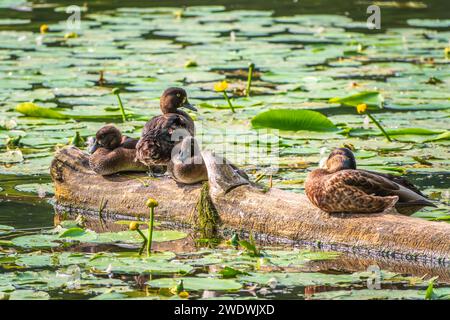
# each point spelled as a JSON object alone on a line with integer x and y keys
{"x": 196, "y": 284}
{"x": 367, "y": 294}
{"x": 29, "y": 295}
{"x": 36, "y": 241}
{"x": 293, "y": 120}
{"x": 5, "y": 229}
{"x": 229, "y": 272}
{"x": 370, "y": 98}
{"x": 30, "y": 109}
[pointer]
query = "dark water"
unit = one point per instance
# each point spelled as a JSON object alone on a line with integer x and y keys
{"x": 391, "y": 16}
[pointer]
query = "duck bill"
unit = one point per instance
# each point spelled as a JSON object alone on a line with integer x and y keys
{"x": 94, "y": 147}
{"x": 189, "y": 106}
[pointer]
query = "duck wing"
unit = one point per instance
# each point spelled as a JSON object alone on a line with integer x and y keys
{"x": 367, "y": 182}
{"x": 348, "y": 191}
{"x": 159, "y": 136}
{"x": 379, "y": 185}
{"x": 399, "y": 180}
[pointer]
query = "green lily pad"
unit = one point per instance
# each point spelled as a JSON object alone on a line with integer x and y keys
{"x": 28, "y": 295}
{"x": 41, "y": 189}
{"x": 297, "y": 279}
{"x": 371, "y": 98}
{"x": 154, "y": 264}
{"x": 36, "y": 241}
{"x": 197, "y": 284}
{"x": 367, "y": 294}
{"x": 293, "y": 120}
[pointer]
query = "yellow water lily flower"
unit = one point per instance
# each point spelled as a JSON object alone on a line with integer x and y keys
{"x": 151, "y": 203}
{"x": 133, "y": 226}
{"x": 43, "y": 28}
{"x": 447, "y": 52}
{"x": 184, "y": 294}
{"x": 361, "y": 108}
{"x": 221, "y": 86}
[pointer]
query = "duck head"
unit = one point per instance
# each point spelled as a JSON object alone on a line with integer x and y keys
{"x": 340, "y": 159}
{"x": 174, "y": 98}
{"x": 108, "y": 137}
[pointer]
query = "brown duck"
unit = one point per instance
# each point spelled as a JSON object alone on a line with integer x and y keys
{"x": 187, "y": 165}
{"x": 161, "y": 133}
{"x": 341, "y": 188}
{"x": 112, "y": 152}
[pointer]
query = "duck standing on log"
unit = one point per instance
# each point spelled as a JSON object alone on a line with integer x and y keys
{"x": 341, "y": 188}
{"x": 113, "y": 152}
{"x": 161, "y": 133}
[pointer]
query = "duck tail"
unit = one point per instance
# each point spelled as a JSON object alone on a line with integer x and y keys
{"x": 418, "y": 203}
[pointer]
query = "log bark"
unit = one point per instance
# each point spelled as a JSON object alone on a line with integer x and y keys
{"x": 274, "y": 216}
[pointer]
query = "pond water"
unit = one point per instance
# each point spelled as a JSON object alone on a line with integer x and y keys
{"x": 305, "y": 53}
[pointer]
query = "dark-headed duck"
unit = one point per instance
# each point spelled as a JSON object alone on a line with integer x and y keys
{"x": 163, "y": 132}
{"x": 112, "y": 152}
{"x": 341, "y": 188}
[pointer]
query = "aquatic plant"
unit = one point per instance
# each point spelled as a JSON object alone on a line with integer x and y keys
{"x": 362, "y": 108}
{"x": 293, "y": 120}
{"x": 43, "y": 28}
{"x": 251, "y": 66}
{"x": 361, "y": 101}
{"x": 77, "y": 140}
{"x": 222, "y": 87}
{"x": 134, "y": 226}
{"x": 250, "y": 246}
{"x": 152, "y": 204}
{"x": 116, "y": 92}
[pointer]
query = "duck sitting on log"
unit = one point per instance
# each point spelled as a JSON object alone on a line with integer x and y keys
{"x": 187, "y": 165}
{"x": 341, "y": 188}
{"x": 113, "y": 152}
{"x": 163, "y": 132}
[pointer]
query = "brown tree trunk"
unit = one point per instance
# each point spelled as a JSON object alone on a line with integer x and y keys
{"x": 275, "y": 216}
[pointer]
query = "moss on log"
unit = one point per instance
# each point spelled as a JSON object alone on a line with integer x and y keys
{"x": 274, "y": 216}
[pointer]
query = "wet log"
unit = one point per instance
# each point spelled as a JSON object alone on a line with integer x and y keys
{"x": 235, "y": 205}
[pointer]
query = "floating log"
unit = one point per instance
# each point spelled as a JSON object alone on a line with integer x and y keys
{"x": 230, "y": 203}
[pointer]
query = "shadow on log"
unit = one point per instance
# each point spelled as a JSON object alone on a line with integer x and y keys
{"x": 274, "y": 216}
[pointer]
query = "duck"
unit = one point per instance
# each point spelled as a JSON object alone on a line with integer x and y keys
{"x": 113, "y": 152}
{"x": 161, "y": 133}
{"x": 187, "y": 165}
{"x": 340, "y": 187}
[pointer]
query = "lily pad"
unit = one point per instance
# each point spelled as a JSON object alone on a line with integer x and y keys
{"x": 36, "y": 241}
{"x": 197, "y": 284}
{"x": 293, "y": 120}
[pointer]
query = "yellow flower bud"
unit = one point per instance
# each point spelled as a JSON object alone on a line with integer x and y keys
{"x": 361, "y": 108}
{"x": 151, "y": 203}
{"x": 184, "y": 294}
{"x": 447, "y": 52}
{"x": 70, "y": 35}
{"x": 44, "y": 28}
{"x": 133, "y": 226}
{"x": 221, "y": 86}
{"x": 178, "y": 14}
